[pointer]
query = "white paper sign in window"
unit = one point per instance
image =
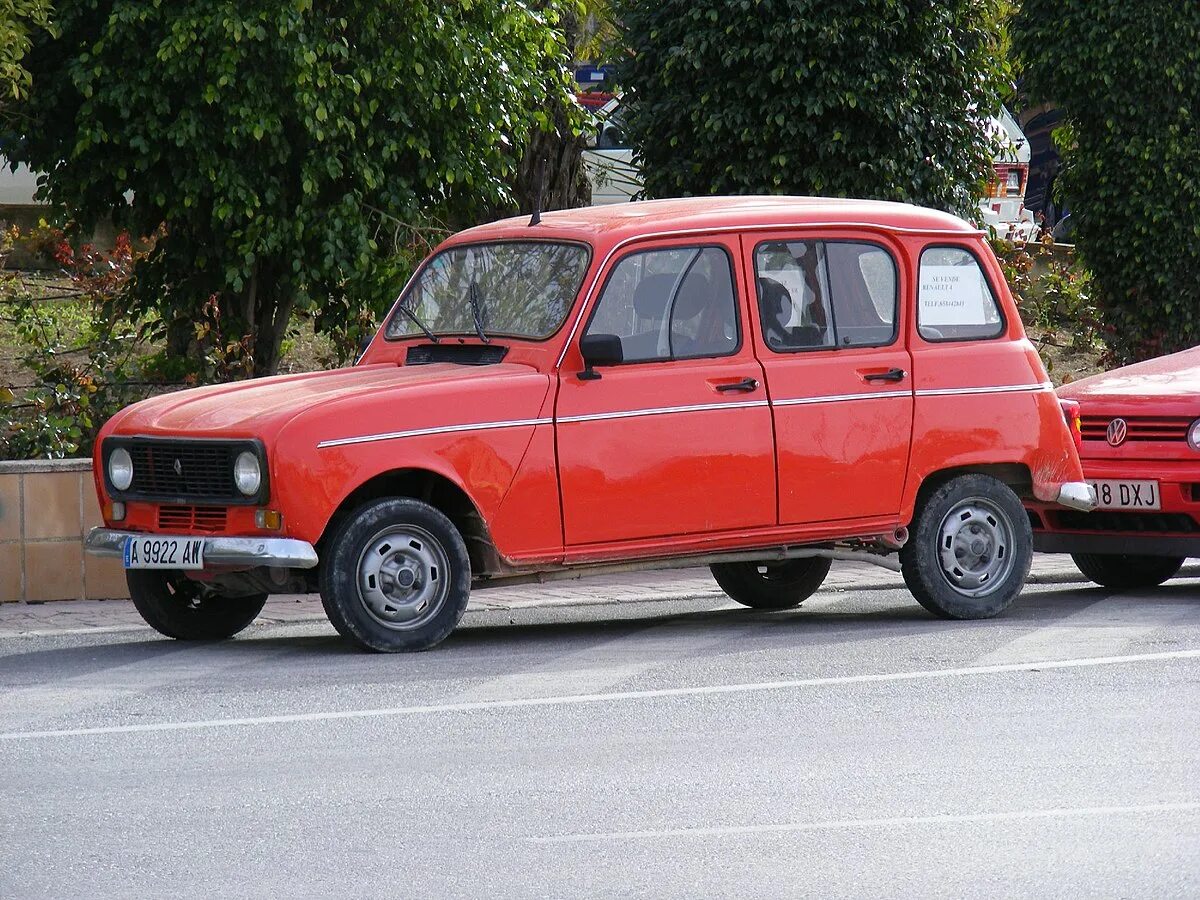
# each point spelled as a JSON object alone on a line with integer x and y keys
{"x": 953, "y": 295}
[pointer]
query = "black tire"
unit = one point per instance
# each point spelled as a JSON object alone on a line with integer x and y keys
{"x": 772, "y": 585}
{"x": 396, "y": 576}
{"x": 180, "y": 608}
{"x": 1117, "y": 570}
{"x": 969, "y": 549}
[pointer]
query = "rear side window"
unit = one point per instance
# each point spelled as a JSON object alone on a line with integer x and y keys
{"x": 954, "y": 300}
{"x": 825, "y": 294}
{"x": 676, "y": 303}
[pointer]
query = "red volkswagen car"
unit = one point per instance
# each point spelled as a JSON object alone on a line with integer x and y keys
{"x": 1139, "y": 437}
{"x": 757, "y": 384}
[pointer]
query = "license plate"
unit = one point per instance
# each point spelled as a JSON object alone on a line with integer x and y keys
{"x": 164, "y": 553}
{"x": 1127, "y": 494}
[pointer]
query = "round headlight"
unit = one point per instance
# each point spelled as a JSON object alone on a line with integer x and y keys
{"x": 247, "y": 474}
{"x": 120, "y": 469}
{"x": 1194, "y": 435}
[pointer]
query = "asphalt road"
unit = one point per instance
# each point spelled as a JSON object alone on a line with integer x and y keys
{"x": 855, "y": 747}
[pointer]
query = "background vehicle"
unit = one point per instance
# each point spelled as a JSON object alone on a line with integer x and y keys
{"x": 1004, "y": 207}
{"x": 608, "y": 161}
{"x": 749, "y": 383}
{"x": 1139, "y": 432}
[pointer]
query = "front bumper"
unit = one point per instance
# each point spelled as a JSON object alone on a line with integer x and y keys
{"x": 219, "y": 552}
{"x": 1077, "y": 495}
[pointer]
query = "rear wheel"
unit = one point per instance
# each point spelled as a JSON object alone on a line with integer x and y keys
{"x": 969, "y": 549}
{"x": 396, "y": 577}
{"x": 186, "y": 610}
{"x": 771, "y": 585}
{"x": 1117, "y": 570}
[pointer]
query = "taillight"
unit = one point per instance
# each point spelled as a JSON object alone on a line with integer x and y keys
{"x": 1070, "y": 411}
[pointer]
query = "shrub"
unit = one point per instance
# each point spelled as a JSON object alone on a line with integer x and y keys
{"x": 1128, "y": 78}
{"x": 858, "y": 98}
{"x": 276, "y": 139}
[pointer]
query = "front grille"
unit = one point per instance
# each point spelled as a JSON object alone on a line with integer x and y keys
{"x": 1141, "y": 428}
{"x": 1139, "y": 523}
{"x": 199, "y": 469}
{"x": 202, "y": 519}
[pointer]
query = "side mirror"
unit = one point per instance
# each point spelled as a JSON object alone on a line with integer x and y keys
{"x": 599, "y": 350}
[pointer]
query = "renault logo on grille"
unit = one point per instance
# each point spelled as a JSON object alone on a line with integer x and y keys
{"x": 178, "y": 467}
{"x": 1117, "y": 432}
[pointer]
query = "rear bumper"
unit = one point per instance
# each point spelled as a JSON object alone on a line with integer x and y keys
{"x": 1077, "y": 495}
{"x": 219, "y": 552}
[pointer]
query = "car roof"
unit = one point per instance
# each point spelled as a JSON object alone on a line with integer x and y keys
{"x": 621, "y": 221}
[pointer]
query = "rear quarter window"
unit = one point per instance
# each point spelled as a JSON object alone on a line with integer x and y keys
{"x": 955, "y": 301}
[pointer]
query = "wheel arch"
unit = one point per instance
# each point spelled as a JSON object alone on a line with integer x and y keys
{"x": 438, "y": 491}
{"x": 1017, "y": 476}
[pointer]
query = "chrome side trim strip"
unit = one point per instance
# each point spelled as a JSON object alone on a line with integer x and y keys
{"x": 837, "y": 398}
{"x": 441, "y": 429}
{"x": 662, "y": 410}
{"x": 699, "y": 407}
{"x": 991, "y": 389}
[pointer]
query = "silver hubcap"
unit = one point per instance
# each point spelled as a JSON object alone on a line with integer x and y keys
{"x": 975, "y": 547}
{"x": 403, "y": 577}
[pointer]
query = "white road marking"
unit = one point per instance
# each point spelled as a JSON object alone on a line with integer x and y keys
{"x": 1103, "y": 628}
{"x": 1020, "y": 815}
{"x": 580, "y": 699}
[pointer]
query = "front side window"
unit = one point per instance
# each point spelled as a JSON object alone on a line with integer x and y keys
{"x": 954, "y": 300}
{"x": 824, "y": 294}
{"x": 521, "y": 289}
{"x": 670, "y": 304}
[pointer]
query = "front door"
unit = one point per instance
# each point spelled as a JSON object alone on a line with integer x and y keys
{"x": 677, "y": 439}
{"x": 831, "y": 343}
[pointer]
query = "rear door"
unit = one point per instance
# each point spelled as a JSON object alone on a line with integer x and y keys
{"x": 676, "y": 440}
{"x": 829, "y": 328}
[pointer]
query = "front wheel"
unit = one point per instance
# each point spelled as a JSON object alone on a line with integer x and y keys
{"x": 771, "y": 585}
{"x": 1118, "y": 570}
{"x": 396, "y": 576}
{"x": 186, "y": 610}
{"x": 969, "y": 549}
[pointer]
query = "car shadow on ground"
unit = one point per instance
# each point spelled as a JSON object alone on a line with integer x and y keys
{"x": 493, "y": 642}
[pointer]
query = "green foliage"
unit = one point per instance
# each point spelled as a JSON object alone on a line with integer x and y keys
{"x": 1053, "y": 291}
{"x": 19, "y": 20}
{"x": 81, "y": 348}
{"x": 1128, "y": 78}
{"x": 883, "y": 99}
{"x": 276, "y": 140}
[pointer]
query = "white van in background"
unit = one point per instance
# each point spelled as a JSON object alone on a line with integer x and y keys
{"x": 1004, "y": 206}
{"x": 608, "y": 160}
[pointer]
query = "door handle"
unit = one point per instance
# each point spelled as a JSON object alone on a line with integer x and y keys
{"x": 746, "y": 385}
{"x": 889, "y": 375}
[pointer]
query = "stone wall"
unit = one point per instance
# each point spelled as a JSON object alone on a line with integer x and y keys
{"x": 46, "y": 508}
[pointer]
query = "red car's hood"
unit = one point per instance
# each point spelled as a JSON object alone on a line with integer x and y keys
{"x": 259, "y": 408}
{"x": 1169, "y": 381}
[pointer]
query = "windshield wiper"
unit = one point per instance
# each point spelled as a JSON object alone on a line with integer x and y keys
{"x": 416, "y": 321}
{"x": 477, "y": 311}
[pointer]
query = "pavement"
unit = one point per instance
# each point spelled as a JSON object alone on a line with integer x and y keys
{"x": 667, "y": 745}
{"x": 66, "y": 617}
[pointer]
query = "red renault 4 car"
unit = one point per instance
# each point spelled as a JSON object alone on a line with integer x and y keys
{"x": 756, "y": 384}
{"x": 1139, "y": 433}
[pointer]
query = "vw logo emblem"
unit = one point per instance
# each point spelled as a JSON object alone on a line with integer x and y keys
{"x": 178, "y": 467}
{"x": 1117, "y": 432}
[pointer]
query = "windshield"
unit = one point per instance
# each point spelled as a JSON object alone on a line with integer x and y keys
{"x": 520, "y": 289}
